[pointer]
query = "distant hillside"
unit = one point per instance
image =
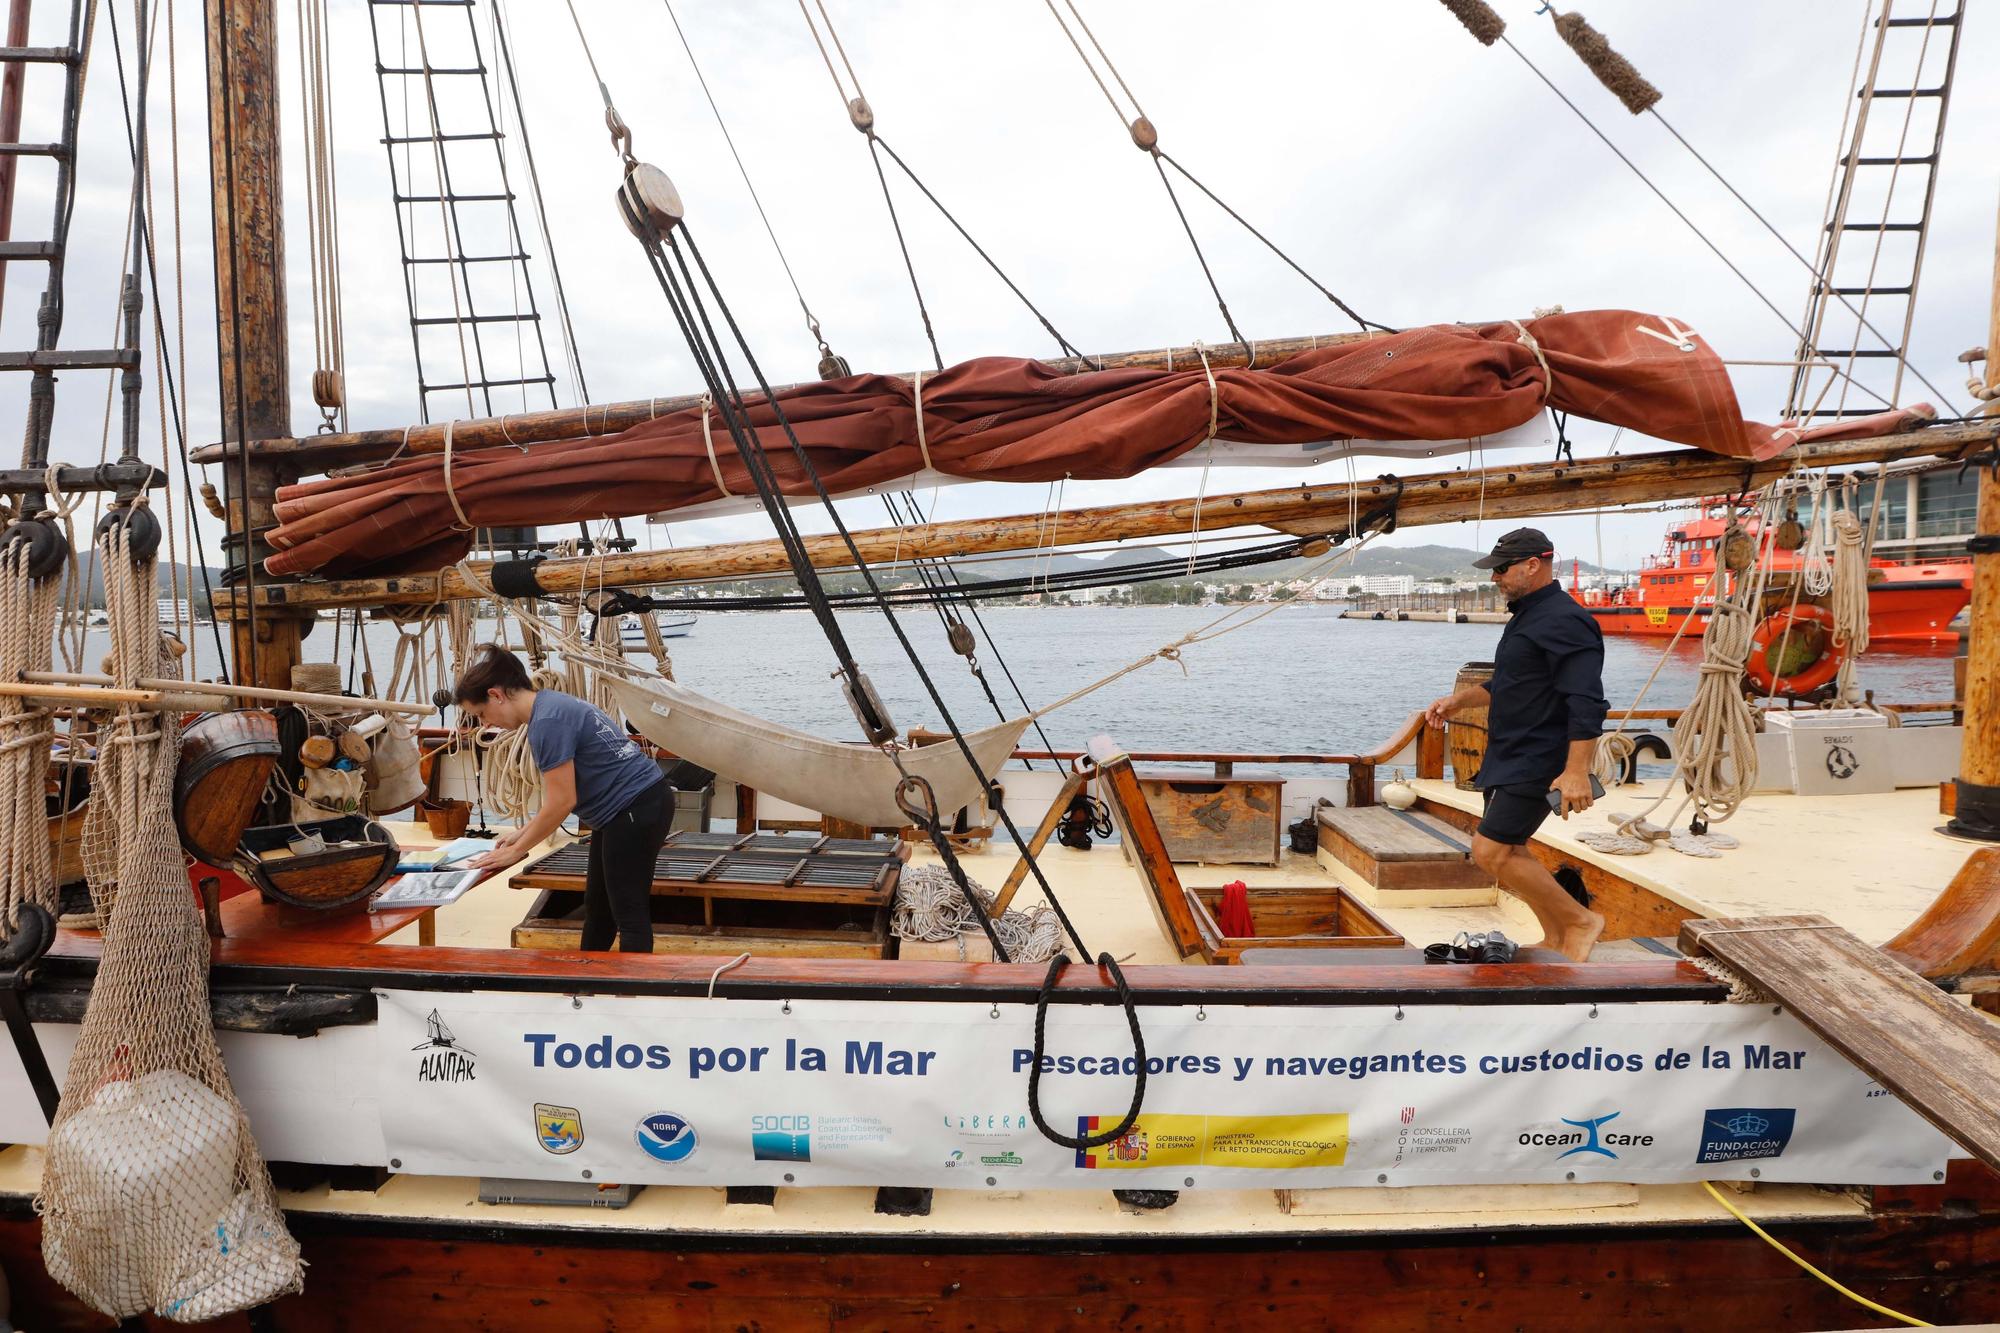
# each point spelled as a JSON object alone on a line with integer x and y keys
{"x": 191, "y": 585}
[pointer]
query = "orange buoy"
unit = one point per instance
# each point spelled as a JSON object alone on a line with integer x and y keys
{"x": 1782, "y": 639}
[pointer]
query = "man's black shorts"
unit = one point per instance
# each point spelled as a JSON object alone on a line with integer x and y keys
{"x": 1514, "y": 812}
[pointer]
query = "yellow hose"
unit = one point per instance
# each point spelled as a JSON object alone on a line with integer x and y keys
{"x": 1772, "y": 1241}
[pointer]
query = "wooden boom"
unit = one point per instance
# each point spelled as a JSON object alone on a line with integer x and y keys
{"x": 316, "y": 452}
{"x": 1512, "y": 491}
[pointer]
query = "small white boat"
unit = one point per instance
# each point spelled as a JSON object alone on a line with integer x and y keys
{"x": 632, "y": 638}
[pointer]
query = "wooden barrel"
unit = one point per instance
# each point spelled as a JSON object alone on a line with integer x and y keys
{"x": 226, "y": 758}
{"x": 1466, "y": 729}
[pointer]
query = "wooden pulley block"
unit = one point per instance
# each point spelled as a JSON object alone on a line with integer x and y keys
{"x": 316, "y": 752}
{"x": 354, "y": 746}
{"x": 648, "y": 193}
{"x": 1739, "y": 551}
{"x": 327, "y": 389}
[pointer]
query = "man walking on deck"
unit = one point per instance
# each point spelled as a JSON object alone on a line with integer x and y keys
{"x": 1545, "y": 711}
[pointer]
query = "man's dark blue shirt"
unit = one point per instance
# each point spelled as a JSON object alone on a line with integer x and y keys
{"x": 1547, "y": 689}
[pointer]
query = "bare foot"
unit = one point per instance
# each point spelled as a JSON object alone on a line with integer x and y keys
{"x": 1545, "y": 943}
{"x": 1576, "y": 943}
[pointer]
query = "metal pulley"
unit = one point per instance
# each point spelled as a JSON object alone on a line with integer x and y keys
{"x": 868, "y": 709}
{"x": 831, "y": 365}
{"x": 961, "y": 639}
{"x": 647, "y": 195}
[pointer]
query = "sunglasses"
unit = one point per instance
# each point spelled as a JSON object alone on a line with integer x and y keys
{"x": 1502, "y": 569}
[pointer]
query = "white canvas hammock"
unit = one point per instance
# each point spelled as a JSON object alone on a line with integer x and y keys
{"x": 852, "y": 782}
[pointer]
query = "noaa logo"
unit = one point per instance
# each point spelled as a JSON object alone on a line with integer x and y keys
{"x": 665, "y": 1137}
{"x": 1841, "y": 761}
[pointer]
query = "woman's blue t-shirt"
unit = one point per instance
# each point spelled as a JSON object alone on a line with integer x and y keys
{"x": 611, "y": 769}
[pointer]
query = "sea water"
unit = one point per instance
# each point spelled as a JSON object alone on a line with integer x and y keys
{"x": 1299, "y": 679}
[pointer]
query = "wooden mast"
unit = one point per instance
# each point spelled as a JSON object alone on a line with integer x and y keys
{"x": 1978, "y": 794}
{"x": 247, "y": 191}
{"x": 1502, "y": 491}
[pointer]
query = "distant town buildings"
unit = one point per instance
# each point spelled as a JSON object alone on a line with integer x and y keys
{"x": 1385, "y": 585}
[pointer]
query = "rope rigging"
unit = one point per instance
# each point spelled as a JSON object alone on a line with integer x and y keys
{"x": 172, "y": 395}
{"x": 1147, "y": 138}
{"x": 933, "y": 574}
{"x": 862, "y": 115}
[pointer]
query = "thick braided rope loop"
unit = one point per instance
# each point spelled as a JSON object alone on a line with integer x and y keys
{"x": 27, "y": 639}
{"x": 1118, "y": 1131}
{"x": 154, "y": 1195}
{"x": 512, "y": 780}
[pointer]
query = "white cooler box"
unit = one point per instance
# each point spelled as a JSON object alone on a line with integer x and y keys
{"x": 1833, "y": 751}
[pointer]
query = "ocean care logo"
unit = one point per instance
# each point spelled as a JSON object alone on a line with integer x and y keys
{"x": 559, "y": 1129}
{"x": 665, "y": 1137}
{"x": 781, "y": 1138}
{"x": 1586, "y": 1137}
{"x": 1737, "y": 1133}
{"x": 445, "y": 1061}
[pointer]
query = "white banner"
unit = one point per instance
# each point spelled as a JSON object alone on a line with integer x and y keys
{"x": 752, "y": 1092}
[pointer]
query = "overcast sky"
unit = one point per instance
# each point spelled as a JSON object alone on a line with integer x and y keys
{"x": 1423, "y": 177}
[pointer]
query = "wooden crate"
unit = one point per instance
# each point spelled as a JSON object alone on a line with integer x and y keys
{"x": 1401, "y": 850}
{"x": 1234, "y": 820}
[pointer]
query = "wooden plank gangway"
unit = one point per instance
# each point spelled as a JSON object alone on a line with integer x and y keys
{"x": 1940, "y": 1056}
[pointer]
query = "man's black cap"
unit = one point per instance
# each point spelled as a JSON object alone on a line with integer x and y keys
{"x": 1520, "y": 544}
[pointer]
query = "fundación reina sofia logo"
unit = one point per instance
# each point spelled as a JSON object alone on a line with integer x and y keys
{"x": 1735, "y": 1133}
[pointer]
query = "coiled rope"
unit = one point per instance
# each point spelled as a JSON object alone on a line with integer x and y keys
{"x": 930, "y": 908}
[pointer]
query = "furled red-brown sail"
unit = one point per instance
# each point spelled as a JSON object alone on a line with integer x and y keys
{"x": 1002, "y": 419}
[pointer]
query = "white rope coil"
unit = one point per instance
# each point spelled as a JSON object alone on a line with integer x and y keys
{"x": 930, "y": 908}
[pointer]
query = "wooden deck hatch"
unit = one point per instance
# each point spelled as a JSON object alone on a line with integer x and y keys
{"x": 1941, "y": 1057}
{"x": 1399, "y": 849}
{"x": 1314, "y": 916}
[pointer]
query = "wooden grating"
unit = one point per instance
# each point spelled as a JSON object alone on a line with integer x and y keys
{"x": 1941, "y": 1057}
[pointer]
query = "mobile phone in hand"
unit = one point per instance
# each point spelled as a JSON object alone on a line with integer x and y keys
{"x": 1555, "y": 798}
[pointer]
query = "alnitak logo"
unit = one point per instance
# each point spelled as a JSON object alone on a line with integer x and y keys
{"x": 665, "y": 1137}
{"x": 1735, "y": 1133}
